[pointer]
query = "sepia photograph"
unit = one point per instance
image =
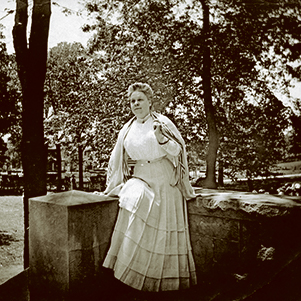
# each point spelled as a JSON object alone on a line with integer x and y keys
{"x": 150, "y": 150}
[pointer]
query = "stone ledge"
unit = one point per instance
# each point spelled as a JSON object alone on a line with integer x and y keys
{"x": 260, "y": 204}
{"x": 237, "y": 233}
{"x": 73, "y": 198}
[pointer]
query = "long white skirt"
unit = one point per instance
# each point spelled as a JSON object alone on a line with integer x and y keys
{"x": 150, "y": 246}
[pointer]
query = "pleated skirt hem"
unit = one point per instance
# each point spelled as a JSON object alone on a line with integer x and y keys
{"x": 149, "y": 284}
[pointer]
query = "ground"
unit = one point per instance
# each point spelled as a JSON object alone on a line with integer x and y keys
{"x": 11, "y": 236}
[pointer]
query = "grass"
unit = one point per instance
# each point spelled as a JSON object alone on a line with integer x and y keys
{"x": 11, "y": 231}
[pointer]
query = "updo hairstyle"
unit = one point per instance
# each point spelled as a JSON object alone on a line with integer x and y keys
{"x": 141, "y": 87}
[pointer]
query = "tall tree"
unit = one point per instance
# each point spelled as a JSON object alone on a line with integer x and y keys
{"x": 295, "y": 134}
{"x": 167, "y": 38}
{"x": 31, "y": 59}
{"x": 150, "y": 44}
{"x": 210, "y": 181}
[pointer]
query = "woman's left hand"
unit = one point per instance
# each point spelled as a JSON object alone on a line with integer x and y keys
{"x": 158, "y": 132}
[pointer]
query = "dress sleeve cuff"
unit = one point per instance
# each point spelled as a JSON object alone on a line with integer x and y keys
{"x": 172, "y": 147}
{"x": 161, "y": 143}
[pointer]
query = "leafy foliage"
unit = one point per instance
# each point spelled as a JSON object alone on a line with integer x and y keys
{"x": 9, "y": 92}
{"x": 295, "y": 134}
{"x": 10, "y": 101}
{"x": 143, "y": 46}
{"x": 256, "y": 140}
{"x": 253, "y": 48}
{"x": 76, "y": 108}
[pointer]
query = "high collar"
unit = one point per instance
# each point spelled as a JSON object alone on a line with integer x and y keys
{"x": 143, "y": 120}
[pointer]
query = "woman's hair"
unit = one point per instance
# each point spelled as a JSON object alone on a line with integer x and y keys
{"x": 141, "y": 87}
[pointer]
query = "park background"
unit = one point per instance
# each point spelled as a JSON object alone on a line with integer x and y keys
{"x": 254, "y": 76}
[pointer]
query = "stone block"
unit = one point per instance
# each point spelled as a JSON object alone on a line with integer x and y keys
{"x": 228, "y": 229}
{"x": 215, "y": 241}
{"x": 226, "y": 254}
{"x": 69, "y": 234}
{"x": 203, "y": 251}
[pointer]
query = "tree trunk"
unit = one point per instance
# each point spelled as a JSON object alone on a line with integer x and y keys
{"x": 80, "y": 167}
{"x": 59, "y": 168}
{"x": 210, "y": 181}
{"x": 31, "y": 62}
{"x": 250, "y": 184}
{"x": 221, "y": 173}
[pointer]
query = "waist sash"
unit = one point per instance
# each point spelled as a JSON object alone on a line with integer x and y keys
{"x": 141, "y": 162}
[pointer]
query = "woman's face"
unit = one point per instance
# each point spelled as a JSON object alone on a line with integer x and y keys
{"x": 140, "y": 105}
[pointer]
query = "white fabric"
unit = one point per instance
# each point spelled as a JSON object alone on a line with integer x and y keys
{"x": 133, "y": 193}
{"x": 141, "y": 143}
{"x": 118, "y": 171}
{"x": 150, "y": 247}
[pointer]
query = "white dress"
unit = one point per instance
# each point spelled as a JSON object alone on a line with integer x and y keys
{"x": 150, "y": 246}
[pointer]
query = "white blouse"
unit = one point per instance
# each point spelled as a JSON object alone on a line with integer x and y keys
{"x": 141, "y": 142}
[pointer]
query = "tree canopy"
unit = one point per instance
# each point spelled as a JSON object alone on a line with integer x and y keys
{"x": 254, "y": 53}
{"x": 9, "y": 91}
{"x": 253, "y": 49}
{"x": 10, "y": 106}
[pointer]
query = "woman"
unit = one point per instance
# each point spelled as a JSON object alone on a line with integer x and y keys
{"x": 150, "y": 246}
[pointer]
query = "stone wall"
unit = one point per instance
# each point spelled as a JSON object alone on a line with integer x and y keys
{"x": 235, "y": 236}
{"x": 243, "y": 237}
